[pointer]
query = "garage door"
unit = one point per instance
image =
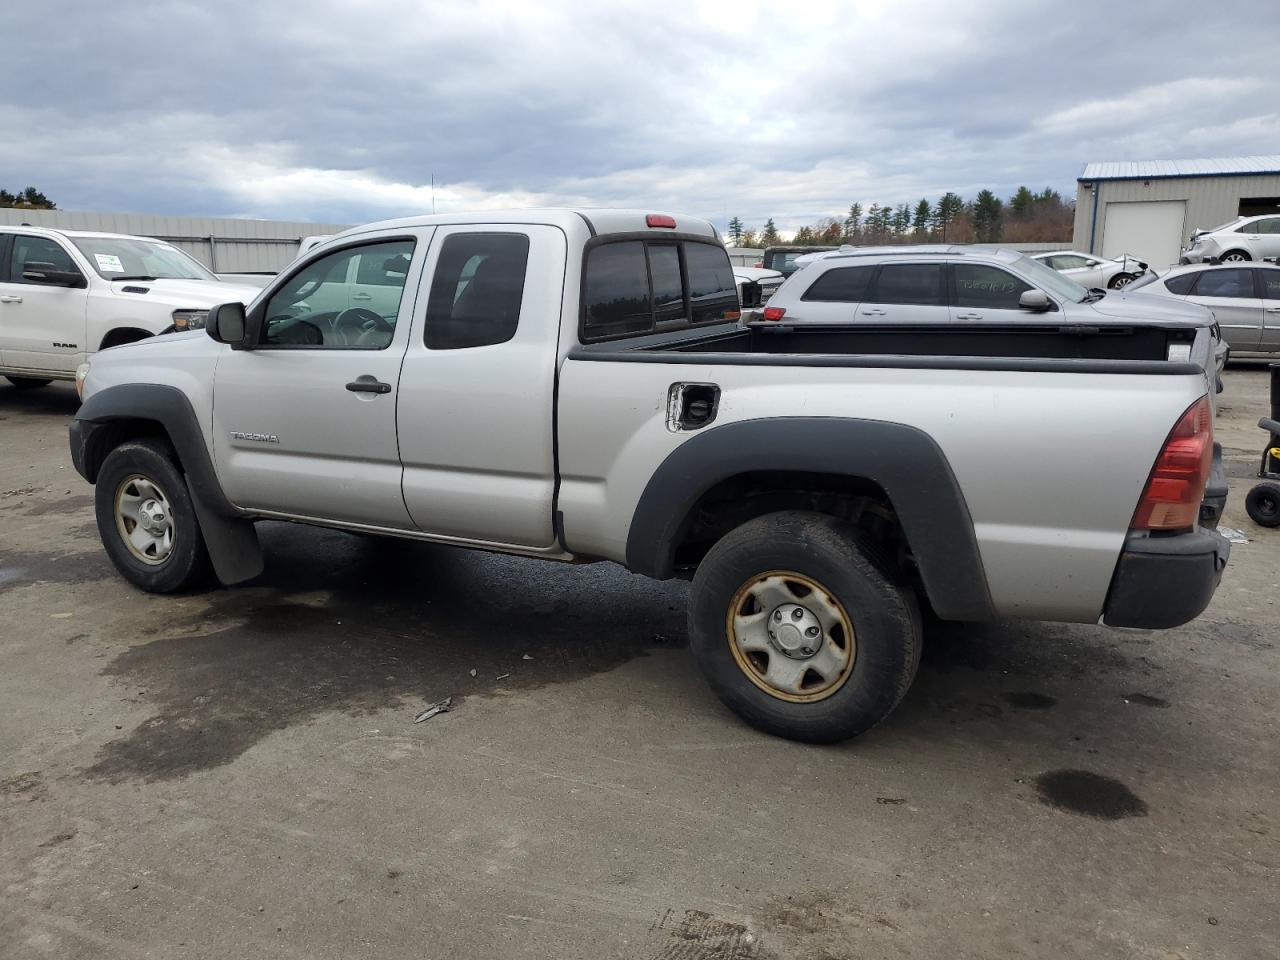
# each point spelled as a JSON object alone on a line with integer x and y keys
{"x": 1150, "y": 230}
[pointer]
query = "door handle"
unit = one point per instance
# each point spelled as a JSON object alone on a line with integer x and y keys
{"x": 368, "y": 384}
{"x": 1273, "y": 309}
{"x": 9, "y": 299}
{"x": 968, "y": 316}
{"x": 873, "y": 313}
{"x": 361, "y": 296}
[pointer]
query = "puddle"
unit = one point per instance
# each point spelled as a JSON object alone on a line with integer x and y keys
{"x": 1090, "y": 794}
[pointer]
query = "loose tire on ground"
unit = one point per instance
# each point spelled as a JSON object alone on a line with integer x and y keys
{"x": 28, "y": 383}
{"x": 146, "y": 520}
{"x": 765, "y": 567}
{"x": 1263, "y": 504}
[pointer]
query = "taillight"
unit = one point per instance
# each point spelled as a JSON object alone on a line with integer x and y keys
{"x": 775, "y": 313}
{"x": 1171, "y": 500}
{"x": 759, "y": 265}
{"x": 660, "y": 220}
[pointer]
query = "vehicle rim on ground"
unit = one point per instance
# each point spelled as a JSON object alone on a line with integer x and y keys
{"x": 1234, "y": 258}
{"x": 144, "y": 519}
{"x": 791, "y": 636}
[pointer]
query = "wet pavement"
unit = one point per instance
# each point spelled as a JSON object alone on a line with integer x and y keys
{"x": 236, "y": 773}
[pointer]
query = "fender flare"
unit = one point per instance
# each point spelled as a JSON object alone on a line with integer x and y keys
{"x": 902, "y": 460}
{"x": 229, "y": 535}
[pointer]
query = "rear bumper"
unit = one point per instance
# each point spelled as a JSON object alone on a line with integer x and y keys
{"x": 1165, "y": 581}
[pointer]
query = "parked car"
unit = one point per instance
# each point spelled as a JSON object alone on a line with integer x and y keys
{"x": 1089, "y": 270}
{"x": 65, "y": 294}
{"x": 783, "y": 258}
{"x": 1244, "y": 298}
{"x": 572, "y": 385}
{"x": 1244, "y": 238}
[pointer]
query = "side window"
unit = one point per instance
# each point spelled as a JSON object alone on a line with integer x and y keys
{"x": 28, "y": 249}
{"x": 1270, "y": 226}
{"x": 477, "y": 290}
{"x": 909, "y": 283}
{"x": 1226, "y": 283}
{"x": 978, "y": 285}
{"x": 842, "y": 285}
{"x": 713, "y": 294}
{"x": 1270, "y": 284}
{"x": 315, "y": 308}
{"x": 1067, "y": 262}
{"x": 1181, "y": 285}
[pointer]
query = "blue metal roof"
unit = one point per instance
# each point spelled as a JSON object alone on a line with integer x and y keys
{"x": 1165, "y": 169}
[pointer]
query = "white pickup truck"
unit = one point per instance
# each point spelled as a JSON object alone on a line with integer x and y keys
{"x": 65, "y": 294}
{"x": 574, "y": 386}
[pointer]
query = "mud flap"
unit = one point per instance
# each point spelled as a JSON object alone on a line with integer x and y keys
{"x": 233, "y": 544}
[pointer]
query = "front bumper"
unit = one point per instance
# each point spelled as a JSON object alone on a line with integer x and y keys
{"x": 1165, "y": 581}
{"x": 79, "y": 433}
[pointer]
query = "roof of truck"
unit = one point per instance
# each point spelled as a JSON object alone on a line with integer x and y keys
{"x": 597, "y": 220}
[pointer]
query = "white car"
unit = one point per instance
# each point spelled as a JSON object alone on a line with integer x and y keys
{"x": 767, "y": 280}
{"x": 1243, "y": 239}
{"x": 1090, "y": 271}
{"x": 65, "y": 294}
{"x": 1244, "y": 298}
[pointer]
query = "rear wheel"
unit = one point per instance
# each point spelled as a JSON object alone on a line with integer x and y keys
{"x": 800, "y": 628}
{"x": 1263, "y": 504}
{"x": 1234, "y": 256}
{"x": 146, "y": 520}
{"x": 28, "y": 383}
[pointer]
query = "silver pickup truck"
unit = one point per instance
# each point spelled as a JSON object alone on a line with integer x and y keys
{"x": 576, "y": 386}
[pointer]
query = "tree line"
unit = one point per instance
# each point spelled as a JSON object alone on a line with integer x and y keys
{"x": 1027, "y": 217}
{"x": 29, "y": 199}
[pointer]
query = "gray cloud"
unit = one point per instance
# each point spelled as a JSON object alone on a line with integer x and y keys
{"x": 342, "y": 111}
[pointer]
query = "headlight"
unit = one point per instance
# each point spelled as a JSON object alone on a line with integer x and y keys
{"x": 189, "y": 319}
{"x": 82, "y": 371}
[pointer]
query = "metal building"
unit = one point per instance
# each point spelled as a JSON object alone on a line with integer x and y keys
{"x": 1149, "y": 207}
{"x": 224, "y": 246}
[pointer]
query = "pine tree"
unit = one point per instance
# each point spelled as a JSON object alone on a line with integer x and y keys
{"x": 923, "y": 219}
{"x": 901, "y": 219}
{"x": 735, "y": 231}
{"x": 853, "y": 224}
{"x": 804, "y": 237}
{"x": 33, "y": 199}
{"x": 769, "y": 236}
{"x": 988, "y": 213}
{"x": 948, "y": 210}
{"x": 1022, "y": 204}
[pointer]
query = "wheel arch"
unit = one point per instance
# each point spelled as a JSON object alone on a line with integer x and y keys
{"x": 872, "y": 460}
{"x": 119, "y": 336}
{"x": 139, "y": 410}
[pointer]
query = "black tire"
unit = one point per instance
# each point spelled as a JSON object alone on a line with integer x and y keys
{"x": 1121, "y": 280}
{"x": 187, "y": 560}
{"x": 884, "y": 616}
{"x": 28, "y": 383}
{"x": 1235, "y": 256}
{"x": 1263, "y": 504}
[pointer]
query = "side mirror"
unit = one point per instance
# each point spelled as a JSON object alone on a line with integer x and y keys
{"x": 226, "y": 324}
{"x": 1091, "y": 263}
{"x": 1036, "y": 300}
{"x": 36, "y": 271}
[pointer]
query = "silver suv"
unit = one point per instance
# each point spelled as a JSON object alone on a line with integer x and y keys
{"x": 938, "y": 283}
{"x": 1245, "y": 238}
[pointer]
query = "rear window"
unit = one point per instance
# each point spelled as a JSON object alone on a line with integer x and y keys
{"x": 843, "y": 285}
{"x": 638, "y": 286}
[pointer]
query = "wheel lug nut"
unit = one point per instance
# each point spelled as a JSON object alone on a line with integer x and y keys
{"x": 777, "y": 614}
{"x": 811, "y": 632}
{"x": 797, "y": 614}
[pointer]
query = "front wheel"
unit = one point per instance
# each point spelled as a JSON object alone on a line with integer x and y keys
{"x": 28, "y": 383}
{"x": 1263, "y": 504}
{"x": 801, "y": 630}
{"x": 1121, "y": 280}
{"x": 146, "y": 519}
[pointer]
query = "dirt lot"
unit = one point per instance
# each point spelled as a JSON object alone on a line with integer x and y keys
{"x": 237, "y": 774}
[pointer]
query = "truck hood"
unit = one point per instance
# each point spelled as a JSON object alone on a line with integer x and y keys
{"x": 756, "y": 274}
{"x": 1150, "y": 307}
{"x": 196, "y": 294}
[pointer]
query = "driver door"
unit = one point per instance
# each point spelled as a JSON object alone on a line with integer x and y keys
{"x": 304, "y": 423}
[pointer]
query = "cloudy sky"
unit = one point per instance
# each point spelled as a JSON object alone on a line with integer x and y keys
{"x": 343, "y": 110}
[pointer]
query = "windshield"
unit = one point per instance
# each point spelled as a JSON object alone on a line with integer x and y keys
{"x": 118, "y": 258}
{"x": 1051, "y": 281}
